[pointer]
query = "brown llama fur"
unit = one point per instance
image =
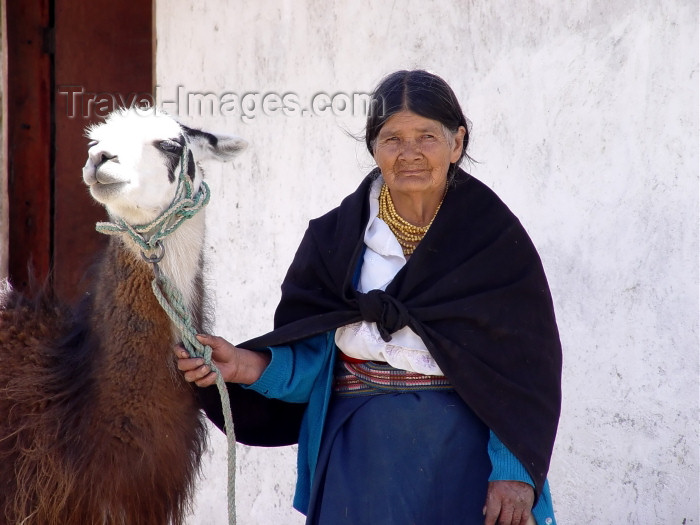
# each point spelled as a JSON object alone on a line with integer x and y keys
{"x": 96, "y": 425}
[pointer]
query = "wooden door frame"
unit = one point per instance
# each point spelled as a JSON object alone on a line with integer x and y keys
{"x": 98, "y": 47}
{"x": 29, "y": 152}
{"x": 4, "y": 213}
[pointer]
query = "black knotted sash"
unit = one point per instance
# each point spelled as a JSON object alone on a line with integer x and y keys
{"x": 474, "y": 290}
{"x": 377, "y": 306}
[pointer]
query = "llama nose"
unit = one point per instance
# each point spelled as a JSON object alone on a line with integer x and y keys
{"x": 100, "y": 155}
{"x": 106, "y": 157}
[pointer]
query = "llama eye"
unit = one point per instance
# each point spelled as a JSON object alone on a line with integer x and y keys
{"x": 92, "y": 143}
{"x": 169, "y": 146}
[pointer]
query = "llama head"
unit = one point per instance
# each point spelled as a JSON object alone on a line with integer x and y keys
{"x": 135, "y": 158}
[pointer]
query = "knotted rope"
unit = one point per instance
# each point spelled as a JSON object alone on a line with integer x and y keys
{"x": 149, "y": 238}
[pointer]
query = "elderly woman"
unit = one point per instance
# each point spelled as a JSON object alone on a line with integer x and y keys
{"x": 415, "y": 355}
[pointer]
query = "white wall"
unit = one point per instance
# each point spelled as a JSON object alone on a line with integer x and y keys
{"x": 585, "y": 121}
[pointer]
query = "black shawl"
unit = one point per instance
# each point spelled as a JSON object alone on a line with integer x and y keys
{"x": 474, "y": 290}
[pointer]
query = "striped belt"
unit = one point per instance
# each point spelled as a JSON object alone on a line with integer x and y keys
{"x": 353, "y": 377}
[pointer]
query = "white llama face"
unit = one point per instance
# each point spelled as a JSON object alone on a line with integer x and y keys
{"x": 134, "y": 161}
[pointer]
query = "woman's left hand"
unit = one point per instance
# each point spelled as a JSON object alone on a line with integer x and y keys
{"x": 236, "y": 365}
{"x": 508, "y": 503}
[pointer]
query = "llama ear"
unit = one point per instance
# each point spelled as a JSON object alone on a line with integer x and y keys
{"x": 214, "y": 146}
{"x": 227, "y": 146}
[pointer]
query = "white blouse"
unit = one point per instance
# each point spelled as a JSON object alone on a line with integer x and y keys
{"x": 383, "y": 259}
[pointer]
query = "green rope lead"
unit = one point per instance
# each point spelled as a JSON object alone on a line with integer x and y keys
{"x": 171, "y": 301}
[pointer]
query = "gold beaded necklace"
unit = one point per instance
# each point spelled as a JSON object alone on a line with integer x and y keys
{"x": 408, "y": 235}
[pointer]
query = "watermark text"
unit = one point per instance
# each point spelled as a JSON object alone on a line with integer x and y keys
{"x": 248, "y": 106}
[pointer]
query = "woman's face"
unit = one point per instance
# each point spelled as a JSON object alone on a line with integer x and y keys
{"x": 414, "y": 154}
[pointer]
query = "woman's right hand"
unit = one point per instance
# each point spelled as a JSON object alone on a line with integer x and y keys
{"x": 236, "y": 365}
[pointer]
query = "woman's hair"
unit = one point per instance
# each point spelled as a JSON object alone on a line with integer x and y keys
{"x": 422, "y": 93}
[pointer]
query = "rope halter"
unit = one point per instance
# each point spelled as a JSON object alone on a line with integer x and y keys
{"x": 184, "y": 205}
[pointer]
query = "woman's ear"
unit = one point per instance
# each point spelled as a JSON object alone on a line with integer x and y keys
{"x": 457, "y": 144}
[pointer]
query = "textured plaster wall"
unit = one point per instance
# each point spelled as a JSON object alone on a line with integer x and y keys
{"x": 585, "y": 121}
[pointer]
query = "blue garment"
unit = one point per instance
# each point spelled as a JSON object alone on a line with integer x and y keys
{"x": 398, "y": 458}
{"x": 303, "y": 373}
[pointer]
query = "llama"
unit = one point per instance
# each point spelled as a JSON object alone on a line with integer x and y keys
{"x": 96, "y": 424}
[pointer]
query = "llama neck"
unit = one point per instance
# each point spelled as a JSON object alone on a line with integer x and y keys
{"x": 182, "y": 262}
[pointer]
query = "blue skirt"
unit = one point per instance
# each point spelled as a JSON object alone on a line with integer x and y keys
{"x": 401, "y": 458}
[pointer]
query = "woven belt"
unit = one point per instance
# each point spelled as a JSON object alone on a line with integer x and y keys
{"x": 373, "y": 377}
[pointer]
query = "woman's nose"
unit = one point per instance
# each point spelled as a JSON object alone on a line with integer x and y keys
{"x": 410, "y": 148}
